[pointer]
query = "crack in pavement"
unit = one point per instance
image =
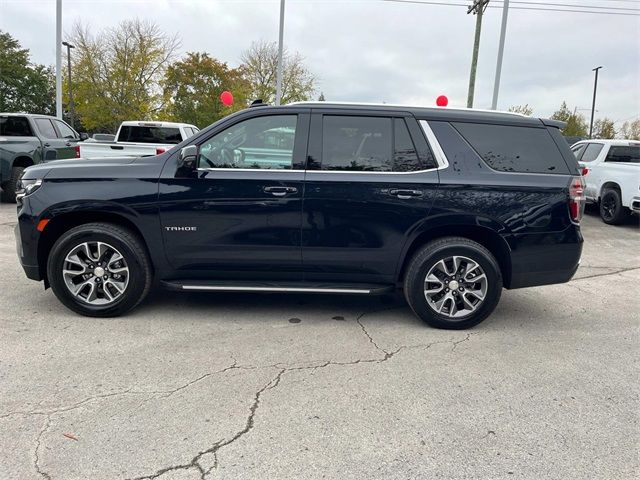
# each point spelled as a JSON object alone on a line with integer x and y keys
{"x": 36, "y": 458}
{"x": 195, "y": 462}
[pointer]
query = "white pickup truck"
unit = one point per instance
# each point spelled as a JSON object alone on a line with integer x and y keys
{"x": 137, "y": 139}
{"x": 611, "y": 171}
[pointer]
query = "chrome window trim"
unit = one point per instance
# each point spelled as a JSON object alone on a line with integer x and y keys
{"x": 438, "y": 152}
{"x": 212, "y": 169}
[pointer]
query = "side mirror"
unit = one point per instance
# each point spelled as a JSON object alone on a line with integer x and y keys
{"x": 83, "y": 136}
{"x": 188, "y": 158}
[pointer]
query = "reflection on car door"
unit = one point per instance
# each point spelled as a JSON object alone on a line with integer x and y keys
{"x": 241, "y": 213}
{"x": 370, "y": 178}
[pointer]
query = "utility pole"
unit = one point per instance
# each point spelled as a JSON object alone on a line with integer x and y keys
{"x": 72, "y": 113}
{"x": 59, "y": 59}
{"x": 503, "y": 33}
{"x": 478, "y": 9}
{"x": 593, "y": 105}
{"x": 280, "y": 49}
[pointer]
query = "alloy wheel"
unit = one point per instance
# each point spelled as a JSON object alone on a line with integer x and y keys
{"x": 455, "y": 286}
{"x": 95, "y": 273}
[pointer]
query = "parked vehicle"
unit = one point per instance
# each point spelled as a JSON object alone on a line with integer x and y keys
{"x": 448, "y": 205}
{"x": 138, "y": 139}
{"x": 30, "y": 139}
{"x": 101, "y": 137}
{"x": 611, "y": 169}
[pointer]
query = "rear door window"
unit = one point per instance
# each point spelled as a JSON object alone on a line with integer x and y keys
{"x": 405, "y": 156}
{"x": 361, "y": 144}
{"x": 149, "y": 134}
{"x": 15, "y": 127}
{"x": 591, "y": 152}
{"x": 630, "y": 154}
{"x": 46, "y": 128}
{"x": 514, "y": 149}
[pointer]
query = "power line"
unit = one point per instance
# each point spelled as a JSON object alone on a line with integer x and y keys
{"x": 425, "y": 2}
{"x": 573, "y": 5}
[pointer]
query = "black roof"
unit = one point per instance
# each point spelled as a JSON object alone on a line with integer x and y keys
{"x": 437, "y": 113}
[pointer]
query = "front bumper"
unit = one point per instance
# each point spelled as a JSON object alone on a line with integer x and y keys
{"x": 635, "y": 204}
{"x": 28, "y": 250}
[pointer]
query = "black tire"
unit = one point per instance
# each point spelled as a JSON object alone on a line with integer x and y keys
{"x": 427, "y": 257}
{"x": 130, "y": 247}
{"x": 612, "y": 211}
{"x": 9, "y": 187}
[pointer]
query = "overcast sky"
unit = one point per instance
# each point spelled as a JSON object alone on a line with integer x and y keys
{"x": 373, "y": 51}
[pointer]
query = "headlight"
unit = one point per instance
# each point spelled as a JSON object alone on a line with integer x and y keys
{"x": 27, "y": 187}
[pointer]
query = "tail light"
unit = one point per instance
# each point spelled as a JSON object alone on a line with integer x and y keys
{"x": 160, "y": 150}
{"x": 576, "y": 199}
{"x": 584, "y": 171}
{"x": 77, "y": 149}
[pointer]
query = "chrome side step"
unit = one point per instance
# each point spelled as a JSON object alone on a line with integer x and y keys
{"x": 214, "y": 286}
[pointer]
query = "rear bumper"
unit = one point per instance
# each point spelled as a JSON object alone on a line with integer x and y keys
{"x": 546, "y": 258}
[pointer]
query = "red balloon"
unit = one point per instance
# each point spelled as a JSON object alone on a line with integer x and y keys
{"x": 442, "y": 101}
{"x": 226, "y": 98}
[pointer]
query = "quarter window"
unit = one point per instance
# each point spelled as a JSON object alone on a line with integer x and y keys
{"x": 630, "y": 154}
{"x": 591, "y": 152}
{"x": 260, "y": 143}
{"x": 46, "y": 128}
{"x": 514, "y": 149}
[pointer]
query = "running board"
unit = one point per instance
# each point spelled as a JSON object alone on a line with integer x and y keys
{"x": 277, "y": 287}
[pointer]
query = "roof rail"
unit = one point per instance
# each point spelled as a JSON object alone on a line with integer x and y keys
{"x": 258, "y": 103}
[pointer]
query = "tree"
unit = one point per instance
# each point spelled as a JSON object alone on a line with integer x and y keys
{"x": 24, "y": 87}
{"x": 576, "y": 124}
{"x": 192, "y": 88}
{"x": 631, "y": 130}
{"x": 604, "y": 128}
{"x": 522, "y": 109}
{"x": 321, "y": 97}
{"x": 260, "y": 64}
{"x": 117, "y": 73}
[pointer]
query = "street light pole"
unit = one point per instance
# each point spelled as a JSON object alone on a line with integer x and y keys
{"x": 72, "y": 113}
{"x": 503, "y": 33}
{"x": 593, "y": 105}
{"x": 59, "y": 59}
{"x": 280, "y": 49}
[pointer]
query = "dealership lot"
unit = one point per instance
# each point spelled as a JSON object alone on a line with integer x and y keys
{"x": 271, "y": 386}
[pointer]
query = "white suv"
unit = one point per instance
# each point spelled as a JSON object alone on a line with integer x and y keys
{"x": 611, "y": 170}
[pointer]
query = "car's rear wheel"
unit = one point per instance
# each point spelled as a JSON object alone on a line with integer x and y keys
{"x": 10, "y": 186}
{"x": 453, "y": 283}
{"x": 612, "y": 211}
{"x": 99, "y": 270}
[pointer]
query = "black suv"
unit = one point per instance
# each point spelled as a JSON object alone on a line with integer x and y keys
{"x": 448, "y": 205}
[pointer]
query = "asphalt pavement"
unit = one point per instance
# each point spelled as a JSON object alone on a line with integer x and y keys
{"x": 242, "y": 386}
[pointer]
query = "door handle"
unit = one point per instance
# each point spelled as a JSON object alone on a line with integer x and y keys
{"x": 68, "y": 144}
{"x": 46, "y": 145}
{"x": 279, "y": 191}
{"x": 405, "y": 194}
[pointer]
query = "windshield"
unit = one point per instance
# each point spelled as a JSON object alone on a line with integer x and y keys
{"x": 144, "y": 134}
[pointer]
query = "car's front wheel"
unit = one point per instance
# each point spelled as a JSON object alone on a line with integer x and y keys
{"x": 453, "y": 283}
{"x": 99, "y": 270}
